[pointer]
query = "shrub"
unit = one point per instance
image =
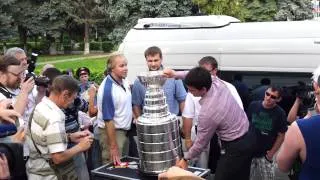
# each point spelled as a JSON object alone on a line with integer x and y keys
{"x": 96, "y": 46}
{"x": 107, "y": 46}
{"x": 97, "y": 77}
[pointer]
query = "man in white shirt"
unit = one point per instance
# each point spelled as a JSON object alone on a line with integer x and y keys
{"x": 47, "y": 138}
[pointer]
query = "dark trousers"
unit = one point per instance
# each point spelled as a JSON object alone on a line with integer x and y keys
{"x": 235, "y": 159}
{"x": 214, "y": 153}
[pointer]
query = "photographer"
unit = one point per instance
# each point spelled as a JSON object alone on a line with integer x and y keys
{"x": 302, "y": 142}
{"x": 11, "y": 73}
{"x": 304, "y": 105}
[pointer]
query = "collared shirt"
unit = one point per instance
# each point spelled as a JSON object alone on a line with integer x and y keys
{"x": 219, "y": 113}
{"x": 173, "y": 89}
{"x": 114, "y": 103}
{"x": 48, "y": 133}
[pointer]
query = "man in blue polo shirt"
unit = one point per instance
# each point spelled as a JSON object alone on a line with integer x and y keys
{"x": 174, "y": 90}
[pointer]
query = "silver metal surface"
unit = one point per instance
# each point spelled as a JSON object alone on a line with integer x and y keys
{"x": 159, "y": 142}
{"x": 156, "y": 167}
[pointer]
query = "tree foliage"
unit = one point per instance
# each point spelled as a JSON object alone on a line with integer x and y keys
{"x": 233, "y": 8}
{"x": 258, "y": 10}
{"x": 294, "y": 10}
{"x": 55, "y": 19}
{"x": 124, "y": 14}
{"x": 7, "y": 29}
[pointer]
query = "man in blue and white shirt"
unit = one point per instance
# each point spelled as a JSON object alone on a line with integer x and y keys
{"x": 114, "y": 110}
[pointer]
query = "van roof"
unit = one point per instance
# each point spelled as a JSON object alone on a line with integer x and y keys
{"x": 187, "y": 22}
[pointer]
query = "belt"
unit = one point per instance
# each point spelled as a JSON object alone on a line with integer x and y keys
{"x": 235, "y": 140}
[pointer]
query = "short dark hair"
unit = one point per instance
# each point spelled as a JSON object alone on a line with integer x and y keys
{"x": 64, "y": 82}
{"x": 7, "y": 61}
{"x": 209, "y": 60}
{"x": 82, "y": 70}
{"x": 51, "y": 73}
{"x": 198, "y": 78}
{"x": 152, "y": 51}
{"x": 275, "y": 88}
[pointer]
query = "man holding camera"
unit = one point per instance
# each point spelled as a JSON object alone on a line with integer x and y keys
{"x": 302, "y": 141}
{"x": 269, "y": 121}
{"x": 48, "y": 140}
{"x": 12, "y": 82}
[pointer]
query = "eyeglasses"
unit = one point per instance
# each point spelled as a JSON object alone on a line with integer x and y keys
{"x": 15, "y": 74}
{"x": 272, "y": 96}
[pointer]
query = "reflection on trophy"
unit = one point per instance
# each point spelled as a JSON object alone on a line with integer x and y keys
{"x": 157, "y": 129}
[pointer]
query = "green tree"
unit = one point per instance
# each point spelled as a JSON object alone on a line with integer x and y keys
{"x": 51, "y": 19}
{"x": 87, "y": 13}
{"x": 294, "y": 10}
{"x": 124, "y": 14}
{"x": 260, "y": 10}
{"x": 233, "y": 8}
{"x": 7, "y": 29}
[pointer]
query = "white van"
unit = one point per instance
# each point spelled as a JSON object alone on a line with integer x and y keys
{"x": 285, "y": 52}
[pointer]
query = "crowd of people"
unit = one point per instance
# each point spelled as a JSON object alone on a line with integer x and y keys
{"x": 70, "y": 125}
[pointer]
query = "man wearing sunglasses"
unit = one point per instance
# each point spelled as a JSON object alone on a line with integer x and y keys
{"x": 269, "y": 122}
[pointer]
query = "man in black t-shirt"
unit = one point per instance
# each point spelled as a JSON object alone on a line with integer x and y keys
{"x": 269, "y": 122}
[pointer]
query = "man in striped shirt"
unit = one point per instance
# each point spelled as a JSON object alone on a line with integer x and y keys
{"x": 219, "y": 113}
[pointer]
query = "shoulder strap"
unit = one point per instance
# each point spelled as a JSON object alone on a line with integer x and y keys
{"x": 5, "y": 92}
{"x": 29, "y": 126}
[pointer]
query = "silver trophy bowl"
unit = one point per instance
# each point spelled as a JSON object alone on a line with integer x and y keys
{"x": 152, "y": 79}
{"x": 159, "y": 141}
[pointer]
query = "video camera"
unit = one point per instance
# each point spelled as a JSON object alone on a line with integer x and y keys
{"x": 39, "y": 80}
{"x": 305, "y": 93}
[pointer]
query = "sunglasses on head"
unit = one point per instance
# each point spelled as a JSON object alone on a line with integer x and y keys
{"x": 272, "y": 96}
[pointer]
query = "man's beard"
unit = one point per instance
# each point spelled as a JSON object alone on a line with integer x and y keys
{"x": 13, "y": 85}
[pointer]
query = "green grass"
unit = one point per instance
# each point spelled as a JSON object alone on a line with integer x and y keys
{"x": 58, "y": 57}
{"x": 94, "y": 64}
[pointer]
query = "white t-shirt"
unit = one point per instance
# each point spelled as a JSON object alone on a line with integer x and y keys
{"x": 191, "y": 110}
{"x": 234, "y": 93}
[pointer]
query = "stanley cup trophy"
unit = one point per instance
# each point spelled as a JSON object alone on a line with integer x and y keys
{"x": 159, "y": 142}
